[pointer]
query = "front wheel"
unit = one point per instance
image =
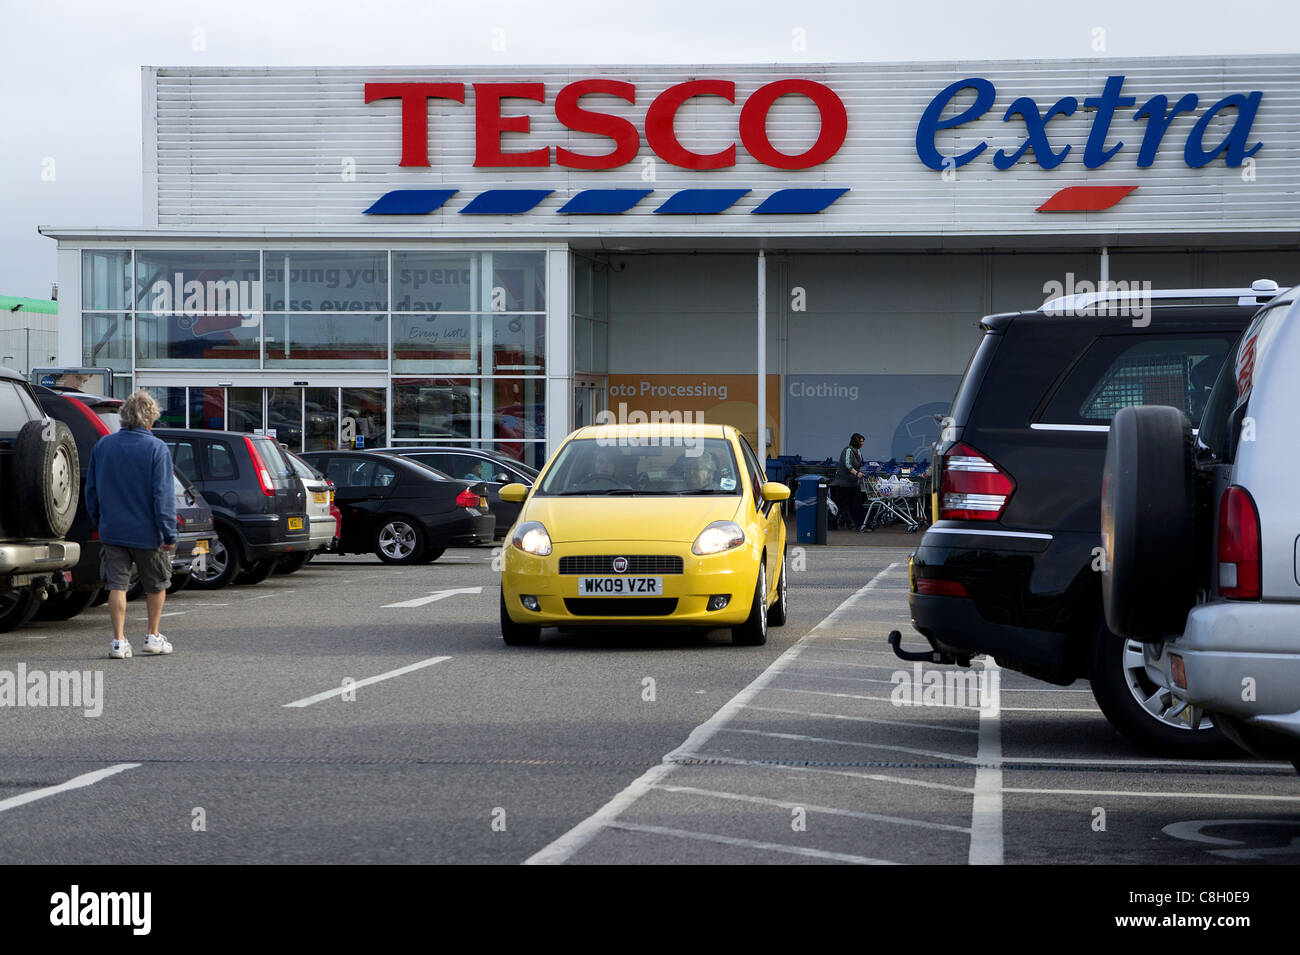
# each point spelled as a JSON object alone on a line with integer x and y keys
{"x": 431, "y": 554}
{"x": 1148, "y": 714}
{"x": 17, "y": 607}
{"x": 66, "y": 605}
{"x": 292, "y": 563}
{"x": 399, "y": 541}
{"x": 219, "y": 565}
{"x": 753, "y": 632}
{"x": 516, "y": 634}
{"x": 256, "y": 572}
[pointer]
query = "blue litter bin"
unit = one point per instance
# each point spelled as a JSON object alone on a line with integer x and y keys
{"x": 810, "y": 509}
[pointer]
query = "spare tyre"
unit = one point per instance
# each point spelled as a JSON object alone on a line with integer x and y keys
{"x": 1148, "y": 530}
{"x": 46, "y": 479}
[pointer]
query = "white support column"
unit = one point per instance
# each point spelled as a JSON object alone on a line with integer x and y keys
{"x": 559, "y": 350}
{"x": 1104, "y": 283}
{"x": 762, "y": 357}
{"x": 69, "y": 272}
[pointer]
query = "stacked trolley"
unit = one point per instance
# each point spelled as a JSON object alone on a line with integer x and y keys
{"x": 894, "y": 493}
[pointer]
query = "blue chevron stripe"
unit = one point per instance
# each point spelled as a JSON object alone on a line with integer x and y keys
{"x": 603, "y": 202}
{"x": 797, "y": 201}
{"x": 700, "y": 202}
{"x": 504, "y": 202}
{"x": 409, "y": 202}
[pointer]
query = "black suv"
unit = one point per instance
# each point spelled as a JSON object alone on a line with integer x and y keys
{"x": 39, "y": 488}
{"x": 258, "y": 504}
{"x": 1011, "y": 566}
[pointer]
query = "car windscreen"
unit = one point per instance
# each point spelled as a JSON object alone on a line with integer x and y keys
{"x": 597, "y": 467}
{"x": 441, "y": 475}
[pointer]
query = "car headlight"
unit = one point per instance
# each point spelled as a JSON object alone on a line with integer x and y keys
{"x": 717, "y": 537}
{"x": 531, "y": 538}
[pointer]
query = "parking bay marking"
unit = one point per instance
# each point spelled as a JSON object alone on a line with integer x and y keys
{"x": 568, "y": 844}
{"x": 77, "y": 782}
{"x": 338, "y": 691}
{"x": 749, "y": 843}
{"x": 436, "y": 595}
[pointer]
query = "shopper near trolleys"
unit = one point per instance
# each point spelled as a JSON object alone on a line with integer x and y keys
{"x": 846, "y": 486}
{"x": 130, "y": 498}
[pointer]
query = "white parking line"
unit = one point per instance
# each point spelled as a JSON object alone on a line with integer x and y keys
{"x": 338, "y": 691}
{"x": 875, "y": 699}
{"x": 869, "y": 719}
{"x": 763, "y": 801}
{"x": 1252, "y": 797}
{"x": 1051, "y": 709}
{"x": 750, "y": 844}
{"x": 436, "y": 595}
{"x": 986, "y": 836}
{"x": 170, "y": 613}
{"x": 563, "y": 848}
{"x": 874, "y": 777}
{"x": 77, "y": 782}
{"x": 799, "y": 737}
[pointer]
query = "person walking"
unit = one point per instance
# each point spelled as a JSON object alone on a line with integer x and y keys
{"x": 130, "y": 498}
{"x": 845, "y": 486}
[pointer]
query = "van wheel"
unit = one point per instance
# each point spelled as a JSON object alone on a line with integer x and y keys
{"x": 66, "y": 605}
{"x": 1148, "y": 714}
{"x": 1148, "y": 523}
{"x": 17, "y": 607}
{"x": 215, "y": 569}
{"x": 753, "y": 632}
{"x": 46, "y": 479}
{"x": 516, "y": 634}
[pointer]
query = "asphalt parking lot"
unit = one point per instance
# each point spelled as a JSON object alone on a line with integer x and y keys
{"x": 356, "y": 712}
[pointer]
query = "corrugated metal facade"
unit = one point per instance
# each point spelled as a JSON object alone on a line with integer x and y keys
{"x": 273, "y": 147}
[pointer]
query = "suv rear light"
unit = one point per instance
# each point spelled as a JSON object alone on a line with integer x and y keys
{"x": 467, "y": 498}
{"x": 263, "y": 475}
{"x": 1238, "y": 545}
{"x": 934, "y": 587}
{"x": 972, "y": 487}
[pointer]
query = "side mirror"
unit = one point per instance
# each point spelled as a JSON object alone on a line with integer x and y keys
{"x": 774, "y": 491}
{"x": 501, "y": 477}
{"x": 513, "y": 493}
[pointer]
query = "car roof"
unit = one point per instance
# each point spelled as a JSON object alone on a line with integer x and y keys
{"x": 653, "y": 430}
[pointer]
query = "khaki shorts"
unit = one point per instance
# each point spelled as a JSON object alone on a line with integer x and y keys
{"x": 154, "y": 565}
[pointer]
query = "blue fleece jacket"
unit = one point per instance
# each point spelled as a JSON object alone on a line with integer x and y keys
{"x": 129, "y": 491}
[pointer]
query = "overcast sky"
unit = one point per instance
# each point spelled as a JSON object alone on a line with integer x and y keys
{"x": 70, "y": 75}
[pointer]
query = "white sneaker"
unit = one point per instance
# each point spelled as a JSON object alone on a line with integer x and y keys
{"x": 119, "y": 649}
{"x": 155, "y": 643}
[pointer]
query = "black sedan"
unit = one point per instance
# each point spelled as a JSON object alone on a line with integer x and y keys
{"x": 401, "y": 511}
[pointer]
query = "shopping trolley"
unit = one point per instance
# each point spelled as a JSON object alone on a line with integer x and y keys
{"x": 890, "y": 498}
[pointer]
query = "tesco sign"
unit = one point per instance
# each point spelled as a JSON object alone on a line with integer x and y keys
{"x": 491, "y": 120}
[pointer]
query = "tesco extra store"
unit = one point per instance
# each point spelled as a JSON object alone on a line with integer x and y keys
{"x": 494, "y": 256}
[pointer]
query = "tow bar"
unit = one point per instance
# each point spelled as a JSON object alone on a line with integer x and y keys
{"x": 926, "y": 656}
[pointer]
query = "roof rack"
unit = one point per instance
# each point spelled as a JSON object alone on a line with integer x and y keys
{"x": 1260, "y": 292}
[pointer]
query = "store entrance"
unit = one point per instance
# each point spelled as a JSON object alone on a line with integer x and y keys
{"x": 302, "y": 417}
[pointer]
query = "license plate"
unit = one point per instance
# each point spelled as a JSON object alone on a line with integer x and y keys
{"x": 295, "y": 523}
{"x": 320, "y": 497}
{"x": 621, "y": 587}
{"x": 200, "y": 547}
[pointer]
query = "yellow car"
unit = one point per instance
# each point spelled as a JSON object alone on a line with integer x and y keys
{"x": 668, "y": 525}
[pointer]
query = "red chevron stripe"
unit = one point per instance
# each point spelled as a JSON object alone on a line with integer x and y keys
{"x": 1085, "y": 198}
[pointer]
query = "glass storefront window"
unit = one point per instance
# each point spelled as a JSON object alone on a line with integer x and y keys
{"x": 502, "y": 409}
{"x": 436, "y": 282}
{"x": 599, "y": 347}
{"x": 244, "y": 409}
{"x": 364, "y": 423}
{"x": 208, "y": 408}
{"x": 171, "y": 401}
{"x": 327, "y": 340}
{"x": 321, "y": 419}
{"x": 518, "y": 344}
{"x": 284, "y": 416}
{"x": 518, "y": 281}
{"x": 202, "y": 283}
{"x": 582, "y": 344}
{"x": 189, "y": 341}
{"x": 106, "y": 279}
{"x": 106, "y": 342}
{"x": 326, "y": 281}
{"x": 424, "y": 343}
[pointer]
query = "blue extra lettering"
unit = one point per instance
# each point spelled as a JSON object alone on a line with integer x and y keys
{"x": 931, "y": 124}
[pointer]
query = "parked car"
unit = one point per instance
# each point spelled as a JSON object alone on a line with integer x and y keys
{"x": 492, "y": 468}
{"x": 648, "y": 525}
{"x": 40, "y": 485}
{"x": 400, "y": 510}
{"x": 1200, "y": 536}
{"x": 90, "y": 417}
{"x": 321, "y": 524}
{"x": 1011, "y": 565}
{"x": 258, "y": 504}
